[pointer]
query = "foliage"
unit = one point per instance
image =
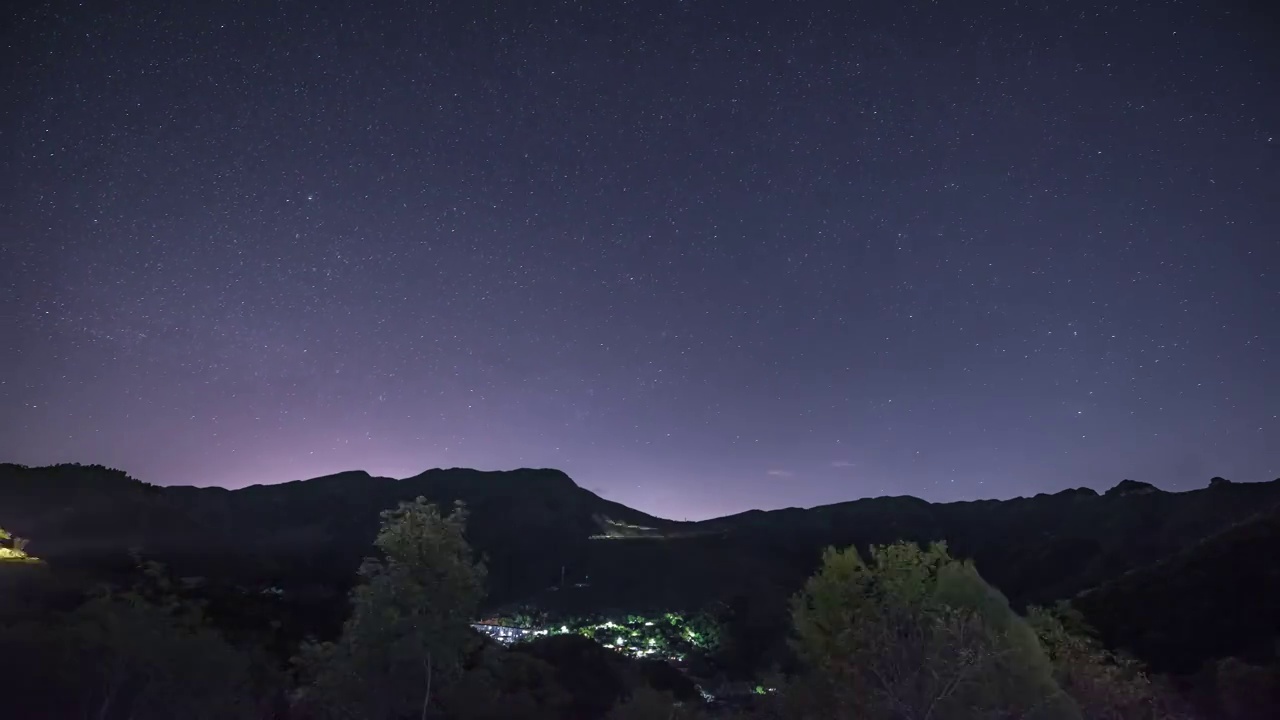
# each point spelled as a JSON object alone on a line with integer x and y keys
{"x": 916, "y": 634}
{"x": 1245, "y": 692}
{"x": 409, "y": 625}
{"x": 1106, "y": 685}
{"x": 753, "y": 635}
{"x": 526, "y": 616}
{"x": 140, "y": 653}
{"x": 649, "y": 704}
{"x": 502, "y": 685}
{"x": 593, "y": 675}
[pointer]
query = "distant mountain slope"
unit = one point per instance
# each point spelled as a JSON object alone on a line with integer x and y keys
{"x": 545, "y": 537}
{"x": 1035, "y": 549}
{"x": 312, "y": 530}
{"x": 1217, "y": 598}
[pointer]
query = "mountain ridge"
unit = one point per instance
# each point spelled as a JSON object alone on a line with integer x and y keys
{"x": 1123, "y": 487}
{"x": 549, "y": 541}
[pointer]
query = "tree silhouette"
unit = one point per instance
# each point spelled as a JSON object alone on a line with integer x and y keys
{"x": 410, "y": 621}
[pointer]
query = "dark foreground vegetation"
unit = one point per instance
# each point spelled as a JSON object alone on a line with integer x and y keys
{"x": 130, "y": 601}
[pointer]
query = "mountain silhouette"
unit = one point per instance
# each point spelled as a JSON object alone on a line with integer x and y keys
{"x": 549, "y": 542}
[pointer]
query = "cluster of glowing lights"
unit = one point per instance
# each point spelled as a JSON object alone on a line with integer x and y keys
{"x": 668, "y": 636}
{"x": 14, "y": 551}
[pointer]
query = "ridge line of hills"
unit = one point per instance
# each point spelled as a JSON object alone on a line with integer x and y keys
{"x": 545, "y": 542}
{"x": 554, "y": 477}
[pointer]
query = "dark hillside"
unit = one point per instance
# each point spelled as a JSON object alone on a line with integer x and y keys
{"x": 551, "y": 542}
{"x": 1218, "y": 598}
{"x": 1035, "y": 549}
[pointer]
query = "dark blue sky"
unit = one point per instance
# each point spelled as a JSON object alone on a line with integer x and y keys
{"x": 702, "y": 256}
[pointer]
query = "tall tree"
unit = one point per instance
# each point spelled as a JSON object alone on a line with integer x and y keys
{"x": 409, "y": 625}
{"x": 916, "y": 635}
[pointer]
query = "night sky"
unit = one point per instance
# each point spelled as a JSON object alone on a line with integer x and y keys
{"x": 702, "y": 256}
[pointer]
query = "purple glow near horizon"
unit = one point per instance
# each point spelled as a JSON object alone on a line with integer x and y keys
{"x": 702, "y": 257}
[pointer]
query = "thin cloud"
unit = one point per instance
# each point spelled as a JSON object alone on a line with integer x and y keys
{"x": 841, "y": 464}
{"x": 780, "y": 473}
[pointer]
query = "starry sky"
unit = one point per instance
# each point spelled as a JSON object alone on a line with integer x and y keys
{"x": 703, "y": 256}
